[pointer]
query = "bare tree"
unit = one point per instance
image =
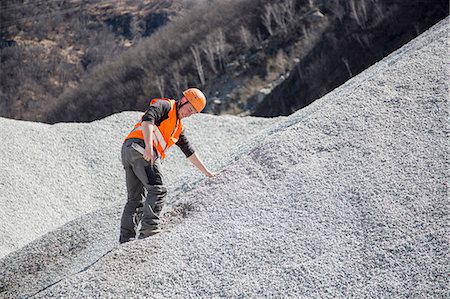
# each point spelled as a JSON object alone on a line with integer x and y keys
{"x": 363, "y": 40}
{"x": 377, "y": 11}
{"x": 363, "y": 9}
{"x": 176, "y": 78}
{"x": 347, "y": 66}
{"x": 209, "y": 50}
{"x": 305, "y": 31}
{"x": 283, "y": 14}
{"x": 267, "y": 18}
{"x": 289, "y": 8}
{"x": 221, "y": 47}
{"x": 160, "y": 84}
{"x": 198, "y": 64}
{"x": 246, "y": 36}
{"x": 185, "y": 82}
{"x": 359, "y": 11}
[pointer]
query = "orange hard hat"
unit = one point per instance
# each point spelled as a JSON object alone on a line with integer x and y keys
{"x": 196, "y": 98}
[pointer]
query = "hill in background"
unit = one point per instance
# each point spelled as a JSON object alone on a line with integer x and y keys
{"x": 47, "y": 47}
{"x": 83, "y": 60}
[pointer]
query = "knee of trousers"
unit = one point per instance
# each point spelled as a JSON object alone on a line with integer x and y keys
{"x": 158, "y": 190}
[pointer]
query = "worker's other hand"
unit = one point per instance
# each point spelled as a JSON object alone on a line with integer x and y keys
{"x": 149, "y": 154}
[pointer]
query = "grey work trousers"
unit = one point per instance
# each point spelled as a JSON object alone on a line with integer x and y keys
{"x": 141, "y": 176}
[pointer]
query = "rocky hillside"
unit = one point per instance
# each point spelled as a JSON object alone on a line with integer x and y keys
{"x": 46, "y": 48}
{"x": 348, "y": 46}
{"x": 93, "y": 58}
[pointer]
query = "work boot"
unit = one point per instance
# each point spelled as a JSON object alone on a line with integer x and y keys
{"x": 148, "y": 232}
{"x": 125, "y": 239}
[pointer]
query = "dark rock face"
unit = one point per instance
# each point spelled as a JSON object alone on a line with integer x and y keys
{"x": 121, "y": 25}
{"x": 153, "y": 21}
{"x": 5, "y": 43}
{"x": 347, "y": 49}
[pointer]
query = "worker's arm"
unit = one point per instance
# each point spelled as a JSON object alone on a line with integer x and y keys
{"x": 155, "y": 114}
{"x": 147, "y": 128}
{"x": 189, "y": 152}
{"x": 199, "y": 164}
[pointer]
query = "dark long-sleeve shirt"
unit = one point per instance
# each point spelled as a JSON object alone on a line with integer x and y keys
{"x": 157, "y": 113}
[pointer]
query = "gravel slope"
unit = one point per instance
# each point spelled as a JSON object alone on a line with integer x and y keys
{"x": 52, "y": 174}
{"x": 345, "y": 198}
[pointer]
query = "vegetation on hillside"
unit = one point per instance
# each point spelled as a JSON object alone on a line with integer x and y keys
{"x": 366, "y": 34}
{"x": 47, "y": 47}
{"x": 230, "y": 48}
{"x": 80, "y": 60}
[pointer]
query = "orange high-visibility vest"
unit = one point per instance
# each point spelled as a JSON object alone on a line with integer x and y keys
{"x": 166, "y": 134}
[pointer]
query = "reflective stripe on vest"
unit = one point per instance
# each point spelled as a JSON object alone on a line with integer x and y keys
{"x": 158, "y": 137}
{"x": 166, "y": 134}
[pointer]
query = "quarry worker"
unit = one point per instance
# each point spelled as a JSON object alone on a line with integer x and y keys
{"x": 160, "y": 127}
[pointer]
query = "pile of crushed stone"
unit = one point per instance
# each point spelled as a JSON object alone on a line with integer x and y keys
{"x": 52, "y": 174}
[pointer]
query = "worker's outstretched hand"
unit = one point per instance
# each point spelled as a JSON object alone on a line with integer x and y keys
{"x": 210, "y": 174}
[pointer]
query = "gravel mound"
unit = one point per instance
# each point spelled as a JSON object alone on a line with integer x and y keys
{"x": 52, "y": 174}
{"x": 345, "y": 198}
